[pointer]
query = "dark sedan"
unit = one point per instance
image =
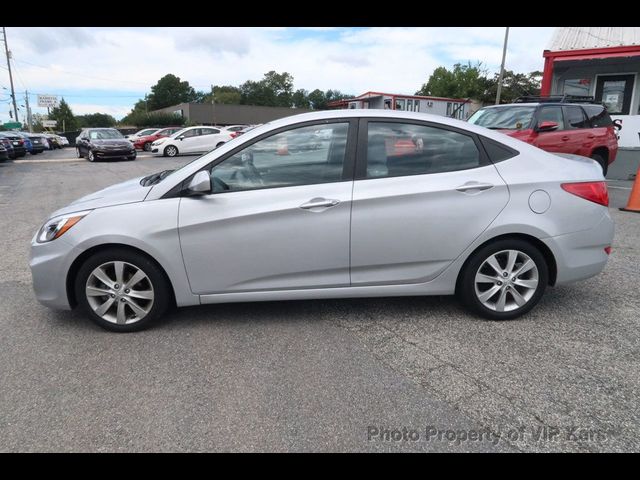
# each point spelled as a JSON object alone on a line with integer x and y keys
{"x": 17, "y": 142}
{"x": 104, "y": 143}
{"x": 4, "y": 155}
{"x": 38, "y": 143}
{"x": 6, "y": 143}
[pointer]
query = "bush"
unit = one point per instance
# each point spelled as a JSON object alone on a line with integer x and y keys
{"x": 158, "y": 119}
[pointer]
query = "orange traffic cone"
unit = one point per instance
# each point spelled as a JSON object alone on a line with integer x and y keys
{"x": 633, "y": 205}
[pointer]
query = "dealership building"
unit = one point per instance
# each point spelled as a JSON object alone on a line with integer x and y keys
{"x": 603, "y": 62}
{"x": 450, "y": 107}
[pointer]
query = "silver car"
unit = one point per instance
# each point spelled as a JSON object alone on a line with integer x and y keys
{"x": 334, "y": 204}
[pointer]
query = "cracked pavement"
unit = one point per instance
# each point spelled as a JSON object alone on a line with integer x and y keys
{"x": 312, "y": 375}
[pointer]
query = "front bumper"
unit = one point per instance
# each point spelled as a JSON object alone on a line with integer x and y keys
{"x": 50, "y": 263}
{"x": 114, "y": 153}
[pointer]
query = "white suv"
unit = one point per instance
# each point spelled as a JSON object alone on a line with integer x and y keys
{"x": 190, "y": 140}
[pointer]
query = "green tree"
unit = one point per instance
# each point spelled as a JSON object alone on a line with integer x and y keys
{"x": 224, "y": 94}
{"x": 170, "y": 90}
{"x": 153, "y": 119}
{"x": 463, "y": 81}
{"x": 274, "y": 90}
{"x": 95, "y": 120}
{"x": 64, "y": 116}
{"x": 317, "y": 99}
{"x": 300, "y": 99}
{"x": 514, "y": 85}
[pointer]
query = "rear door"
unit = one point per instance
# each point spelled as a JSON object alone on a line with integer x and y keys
{"x": 423, "y": 193}
{"x": 581, "y": 138}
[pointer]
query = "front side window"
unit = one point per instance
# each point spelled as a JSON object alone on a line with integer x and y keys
{"x": 398, "y": 149}
{"x": 302, "y": 156}
{"x": 551, "y": 114}
{"x": 504, "y": 118}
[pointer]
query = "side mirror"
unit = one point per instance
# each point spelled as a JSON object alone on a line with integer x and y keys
{"x": 180, "y": 138}
{"x": 547, "y": 126}
{"x": 200, "y": 184}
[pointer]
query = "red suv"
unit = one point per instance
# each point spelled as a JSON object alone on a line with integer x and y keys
{"x": 556, "y": 126}
{"x": 144, "y": 143}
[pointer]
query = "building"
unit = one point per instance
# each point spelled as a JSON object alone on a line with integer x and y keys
{"x": 603, "y": 62}
{"x": 450, "y": 107}
{"x": 224, "y": 114}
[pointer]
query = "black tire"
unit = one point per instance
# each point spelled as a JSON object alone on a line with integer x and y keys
{"x": 147, "y": 147}
{"x": 90, "y": 156}
{"x": 603, "y": 163}
{"x": 161, "y": 288}
{"x": 170, "y": 151}
{"x": 466, "y": 290}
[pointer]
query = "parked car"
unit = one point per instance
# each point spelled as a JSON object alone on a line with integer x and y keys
{"x": 190, "y": 140}
{"x": 8, "y": 146}
{"x": 27, "y": 141}
{"x": 4, "y": 154}
{"x": 233, "y": 128}
{"x": 104, "y": 144}
{"x": 468, "y": 211}
{"x": 62, "y": 140}
{"x": 244, "y": 130}
{"x": 141, "y": 133}
{"x": 17, "y": 142}
{"x": 144, "y": 143}
{"x": 37, "y": 142}
{"x": 52, "y": 141}
{"x": 556, "y": 125}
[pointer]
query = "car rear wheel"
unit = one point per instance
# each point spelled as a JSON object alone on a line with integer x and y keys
{"x": 170, "y": 151}
{"x": 147, "y": 147}
{"x": 219, "y": 144}
{"x": 504, "y": 280}
{"x": 121, "y": 290}
{"x": 603, "y": 163}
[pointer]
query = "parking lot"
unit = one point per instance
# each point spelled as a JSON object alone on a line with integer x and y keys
{"x": 325, "y": 375}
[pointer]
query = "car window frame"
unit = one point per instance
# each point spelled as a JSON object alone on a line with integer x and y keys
{"x": 537, "y": 117}
{"x": 585, "y": 120}
{"x": 363, "y": 136}
{"x": 348, "y": 167}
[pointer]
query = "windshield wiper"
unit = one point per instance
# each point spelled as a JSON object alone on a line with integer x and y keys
{"x": 154, "y": 178}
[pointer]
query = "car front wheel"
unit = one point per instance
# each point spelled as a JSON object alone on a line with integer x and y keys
{"x": 147, "y": 147}
{"x": 121, "y": 290}
{"x": 90, "y": 156}
{"x": 170, "y": 151}
{"x": 504, "y": 280}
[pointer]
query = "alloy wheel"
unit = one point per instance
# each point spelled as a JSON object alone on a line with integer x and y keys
{"x": 119, "y": 292}
{"x": 506, "y": 280}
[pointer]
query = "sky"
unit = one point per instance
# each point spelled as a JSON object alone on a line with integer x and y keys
{"x": 108, "y": 69}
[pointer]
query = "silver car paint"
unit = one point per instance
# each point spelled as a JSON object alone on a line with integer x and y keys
{"x": 576, "y": 231}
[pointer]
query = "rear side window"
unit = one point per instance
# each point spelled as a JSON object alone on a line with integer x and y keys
{"x": 399, "y": 149}
{"x": 598, "y": 116}
{"x": 496, "y": 151}
{"x": 574, "y": 117}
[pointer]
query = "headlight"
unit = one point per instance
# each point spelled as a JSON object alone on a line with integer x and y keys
{"x": 160, "y": 141}
{"x": 57, "y": 226}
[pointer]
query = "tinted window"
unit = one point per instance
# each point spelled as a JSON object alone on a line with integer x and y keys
{"x": 574, "y": 117}
{"x": 504, "y": 118}
{"x": 396, "y": 149}
{"x": 496, "y": 151}
{"x": 551, "y": 114}
{"x": 302, "y": 156}
{"x": 598, "y": 116}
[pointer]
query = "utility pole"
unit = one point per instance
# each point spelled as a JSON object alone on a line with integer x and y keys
{"x": 13, "y": 93}
{"x": 26, "y": 100}
{"x": 504, "y": 54}
{"x": 213, "y": 106}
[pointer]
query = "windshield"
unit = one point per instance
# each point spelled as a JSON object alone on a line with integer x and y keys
{"x": 104, "y": 134}
{"x": 504, "y": 118}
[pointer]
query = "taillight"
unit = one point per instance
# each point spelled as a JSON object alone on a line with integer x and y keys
{"x": 234, "y": 134}
{"x": 593, "y": 191}
{"x": 607, "y": 250}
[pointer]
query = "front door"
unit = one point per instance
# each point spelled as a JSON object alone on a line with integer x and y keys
{"x": 422, "y": 195}
{"x": 278, "y": 217}
{"x": 615, "y": 92}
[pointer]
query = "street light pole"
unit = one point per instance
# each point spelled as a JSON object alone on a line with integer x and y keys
{"x": 504, "y": 54}
{"x": 13, "y": 93}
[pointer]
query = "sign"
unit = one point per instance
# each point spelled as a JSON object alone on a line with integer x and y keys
{"x": 12, "y": 125}
{"x": 47, "y": 100}
{"x": 629, "y": 135}
{"x": 49, "y": 123}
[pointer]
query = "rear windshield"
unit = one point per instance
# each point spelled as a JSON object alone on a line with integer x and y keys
{"x": 598, "y": 116}
{"x": 504, "y": 118}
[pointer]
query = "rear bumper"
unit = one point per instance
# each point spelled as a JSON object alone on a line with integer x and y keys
{"x": 581, "y": 255}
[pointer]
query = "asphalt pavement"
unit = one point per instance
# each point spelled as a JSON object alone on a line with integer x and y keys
{"x": 385, "y": 374}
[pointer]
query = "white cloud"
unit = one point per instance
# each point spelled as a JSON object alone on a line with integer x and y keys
{"x": 121, "y": 60}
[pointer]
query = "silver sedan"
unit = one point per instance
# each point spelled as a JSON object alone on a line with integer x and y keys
{"x": 351, "y": 203}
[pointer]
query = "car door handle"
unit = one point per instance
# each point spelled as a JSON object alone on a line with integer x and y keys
{"x": 319, "y": 203}
{"x": 565, "y": 138}
{"x": 474, "y": 186}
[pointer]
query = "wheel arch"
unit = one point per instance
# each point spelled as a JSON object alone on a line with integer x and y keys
{"x": 539, "y": 244}
{"x": 77, "y": 263}
{"x": 603, "y": 151}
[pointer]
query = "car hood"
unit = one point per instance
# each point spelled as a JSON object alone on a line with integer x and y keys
{"x": 126, "y": 192}
{"x": 111, "y": 143}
